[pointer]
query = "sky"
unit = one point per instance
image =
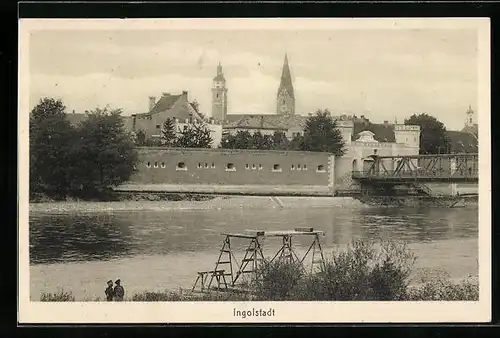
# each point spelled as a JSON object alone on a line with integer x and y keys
{"x": 382, "y": 74}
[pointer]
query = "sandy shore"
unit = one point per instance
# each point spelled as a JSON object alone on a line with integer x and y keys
{"x": 218, "y": 203}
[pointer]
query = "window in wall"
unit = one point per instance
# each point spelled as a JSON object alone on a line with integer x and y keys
{"x": 157, "y": 126}
{"x": 213, "y": 165}
{"x": 199, "y": 165}
{"x": 283, "y": 101}
{"x": 321, "y": 168}
{"x": 181, "y": 166}
{"x": 298, "y": 167}
{"x": 206, "y": 165}
{"x": 253, "y": 167}
{"x": 305, "y": 167}
{"x": 163, "y": 164}
{"x": 293, "y": 167}
{"x": 247, "y": 166}
{"x": 260, "y": 166}
{"x": 217, "y": 95}
{"x": 276, "y": 168}
{"x": 148, "y": 164}
{"x": 375, "y": 151}
{"x": 230, "y": 167}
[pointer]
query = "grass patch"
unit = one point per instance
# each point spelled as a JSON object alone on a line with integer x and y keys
{"x": 59, "y": 296}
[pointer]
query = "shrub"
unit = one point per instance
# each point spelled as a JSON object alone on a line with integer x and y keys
{"x": 59, "y": 296}
{"x": 359, "y": 273}
{"x": 444, "y": 290}
{"x": 278, "y": 280}
{"x": 173, "y": 296}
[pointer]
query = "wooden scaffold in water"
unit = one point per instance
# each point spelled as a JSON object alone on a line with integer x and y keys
{"x": 228, "y": 273}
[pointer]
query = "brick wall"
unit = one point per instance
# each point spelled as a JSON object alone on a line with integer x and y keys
{"x": 232, "y": 167}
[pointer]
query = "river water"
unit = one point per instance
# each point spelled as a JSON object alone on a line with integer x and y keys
{"x": 158, "y": 250}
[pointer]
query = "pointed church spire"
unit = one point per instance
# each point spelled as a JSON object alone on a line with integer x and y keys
{"x": 286, "y": 78}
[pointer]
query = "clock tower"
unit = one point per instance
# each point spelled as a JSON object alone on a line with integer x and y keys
{"x": 219, "y": 96}
{"x": 285, "y": 100}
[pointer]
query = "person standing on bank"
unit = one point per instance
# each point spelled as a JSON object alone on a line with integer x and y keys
{"x": 119, "y": 291}
{"x": 109, "y": 291}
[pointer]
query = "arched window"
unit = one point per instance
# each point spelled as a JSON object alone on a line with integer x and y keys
{"x": 321, "y": 168}
{"x": 156, "y": 164}
{"x": 148, "y": 164}
{"x": 163, "y": 164}
{"x": 298, "y": 167}
{"x": 230, "y": 167}
{"x": 304, "y": 167}
{"x": 181, "y": 166}
{"x": 293, "y": 167}
{"x": 247, "y": 166}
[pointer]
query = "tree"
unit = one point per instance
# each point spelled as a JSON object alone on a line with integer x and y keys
{"x": 168, "y": 133}
{"x": 194, "y": 136}
{"x": 321, "y": 134}
{"x": 242, "y": 140}
{"x": 105, "y": 150}
{"x": 140, "y": 138}
{"x": 260, "y": 141}
{"x": 433, "y": 139}
{"x": 279, "y": 141}
{"x": 50, "y": 141}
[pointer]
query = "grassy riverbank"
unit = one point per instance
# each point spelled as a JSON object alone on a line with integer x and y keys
{"x": 362, "y": 272}
{"x": 213, "y": 203}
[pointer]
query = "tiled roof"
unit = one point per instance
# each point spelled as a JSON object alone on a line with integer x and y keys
{"x": 470, "y": 129}
{"x": 383, "y": 132}
{"x": 281, "y": 122}
{"x": 174, "y": 106}
{"x": 164, "y": 103}
{"x": 462, "y": 142}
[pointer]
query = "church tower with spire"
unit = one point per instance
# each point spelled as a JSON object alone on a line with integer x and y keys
{"x": 285, "y": 100}
{"x": 219, "y": 96}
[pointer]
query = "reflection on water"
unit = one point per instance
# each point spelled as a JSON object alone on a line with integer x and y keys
{"x": 65, "y": 238}
{"x": 158, "y": 249}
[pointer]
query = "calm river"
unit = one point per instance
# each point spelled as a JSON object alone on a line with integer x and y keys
{"x": 158, "y": 250}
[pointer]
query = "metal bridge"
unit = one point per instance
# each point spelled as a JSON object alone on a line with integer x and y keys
{"x": 392, "y": 170}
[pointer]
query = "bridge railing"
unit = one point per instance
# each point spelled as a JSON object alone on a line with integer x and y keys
{"x": 415, "y": 174}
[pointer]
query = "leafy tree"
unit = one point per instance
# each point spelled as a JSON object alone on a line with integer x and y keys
{"x": 280, "y": 141}
{"x": 140, "y": 138}
{"x": 51, "y": 157}
{"x": 297, "y": 143}
{"x": 321, "y": 134}
{"x": 194, "y": 136}
{"x": 260, "y": 141}
{"x": 242, "y": 140}
{"x": 433, "y": 139}
{"x": 168, "y": 132}
{"x": 106, "y": 152}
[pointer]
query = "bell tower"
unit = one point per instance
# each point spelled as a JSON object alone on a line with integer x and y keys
{"x": 285, "y": 100}
{"x": 219, "y": 96}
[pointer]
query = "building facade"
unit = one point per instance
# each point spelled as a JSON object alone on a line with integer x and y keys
{"x": 157, "y": 166}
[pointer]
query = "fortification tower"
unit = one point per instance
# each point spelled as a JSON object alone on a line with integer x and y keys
{"x": 219, "y": 96}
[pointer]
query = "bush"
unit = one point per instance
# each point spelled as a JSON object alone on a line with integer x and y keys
{"x": 359, "y": 273}
{"x": 278, "y": 280}
{"x": 59, "y": 296}
{"x": 444, "y": 290}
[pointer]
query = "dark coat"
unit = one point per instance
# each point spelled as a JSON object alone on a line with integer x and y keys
{"x": 119, "y": 292}
{"x": 109, "y": 293}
